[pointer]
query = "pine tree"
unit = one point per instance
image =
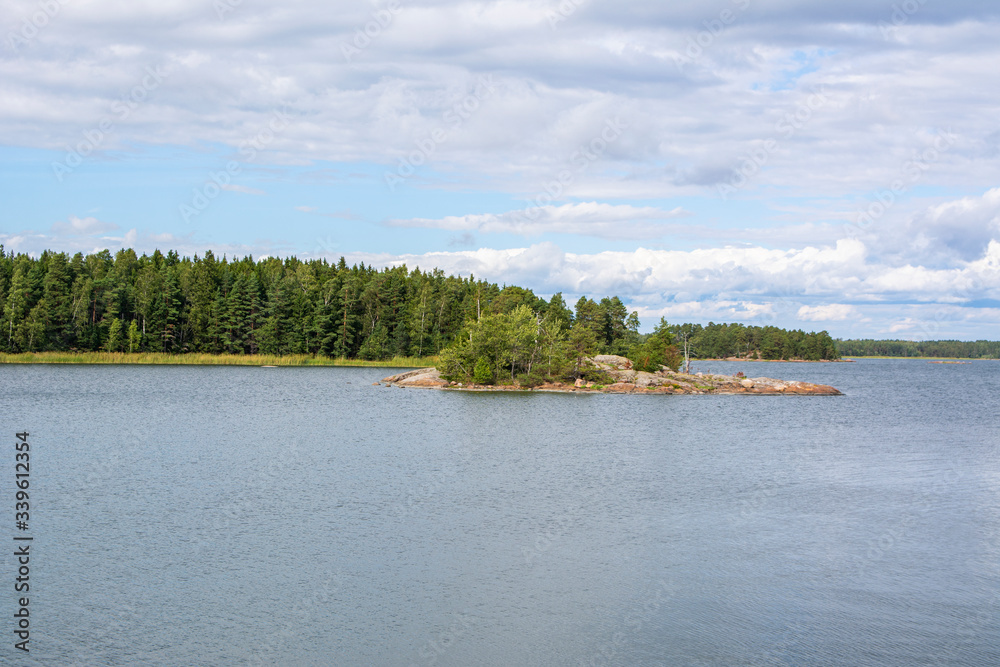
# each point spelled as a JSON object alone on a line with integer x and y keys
{"x": 170, "y": 311}
{"x": 347, "y": 318}
{"x": 18, "y": 304}
{"x": 58, "y": 312}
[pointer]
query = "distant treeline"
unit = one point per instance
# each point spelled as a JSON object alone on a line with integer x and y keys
{"x": 980, "y": 349}
{"x": 718, "y": 341}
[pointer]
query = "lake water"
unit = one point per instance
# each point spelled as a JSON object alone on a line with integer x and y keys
{"x": 301, "y": 516}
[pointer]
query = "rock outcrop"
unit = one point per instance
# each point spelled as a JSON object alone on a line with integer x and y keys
{"x": 625, "y": 380}
{"x": 424, "y": 377}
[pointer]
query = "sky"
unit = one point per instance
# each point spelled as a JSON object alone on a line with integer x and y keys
{"x": 814, "y": 165}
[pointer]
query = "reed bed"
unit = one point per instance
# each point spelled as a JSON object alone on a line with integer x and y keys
{"x": 196, "y": 359}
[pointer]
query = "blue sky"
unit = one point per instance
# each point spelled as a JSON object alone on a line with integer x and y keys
{"x": 810, "y": 165}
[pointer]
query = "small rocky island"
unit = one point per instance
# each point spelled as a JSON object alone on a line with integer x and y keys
{"x": 622, "y": 379}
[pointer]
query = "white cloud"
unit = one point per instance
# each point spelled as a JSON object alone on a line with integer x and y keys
{"x": 826, "y": 274}
{"x": 905, "y": 325}
{"x": 832, "y": 312}
{"x": 688, "y": 127}
{"x": 957, "y": 230}
{"x": 83, "y": 226}
{"x": 589, "y": 219}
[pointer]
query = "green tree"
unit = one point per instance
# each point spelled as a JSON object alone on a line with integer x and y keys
{"x": 115, "y": 340}
{"x": 347, "y": 320}
{"x": 421, "y": 310}
{"x": 134, "y": 337}
{"x": 559, "y": 311}
{"x": 658, "y": 350}
{"x": 612, "y": 327}
{"x": 582, "y": 343}
{"x": 58, "y": 312}
{"x": 18, "y": 303}
{"x": 376, "y": 346}
{"x": 30, "y": 335}
{"x": 588, "y": 314}
{"x": 482, "y": 373}
{"x": 506, "y": 341}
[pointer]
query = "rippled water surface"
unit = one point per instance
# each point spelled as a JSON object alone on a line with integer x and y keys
{"x": 302, "y": 516}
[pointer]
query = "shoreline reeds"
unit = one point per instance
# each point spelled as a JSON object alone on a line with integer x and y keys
{"x": 198, "y": 359}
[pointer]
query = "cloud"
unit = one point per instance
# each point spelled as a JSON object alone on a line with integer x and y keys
{"x": 306, "y": 209}
{"x": 463, "y": 240}
{"x": 83, "y": 226}
{"x": 957, "y": 230}
{"x": 816, "y": 279}
{"x": 833, "y": 312}
{"x": 588, "y": 219}
{"x": 905, "y": 325}
{"x": 689, "y": 127}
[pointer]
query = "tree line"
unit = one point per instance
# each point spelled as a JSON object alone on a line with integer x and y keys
{"x": 980, "y": 349}
{"x": 173, "y": 304}
{"x": 718, "y": 341}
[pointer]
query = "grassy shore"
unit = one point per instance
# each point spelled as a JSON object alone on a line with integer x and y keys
{"x": 155, "y": 358}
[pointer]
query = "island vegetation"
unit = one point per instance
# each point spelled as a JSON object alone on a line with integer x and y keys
{"x": 529, "y": 348}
